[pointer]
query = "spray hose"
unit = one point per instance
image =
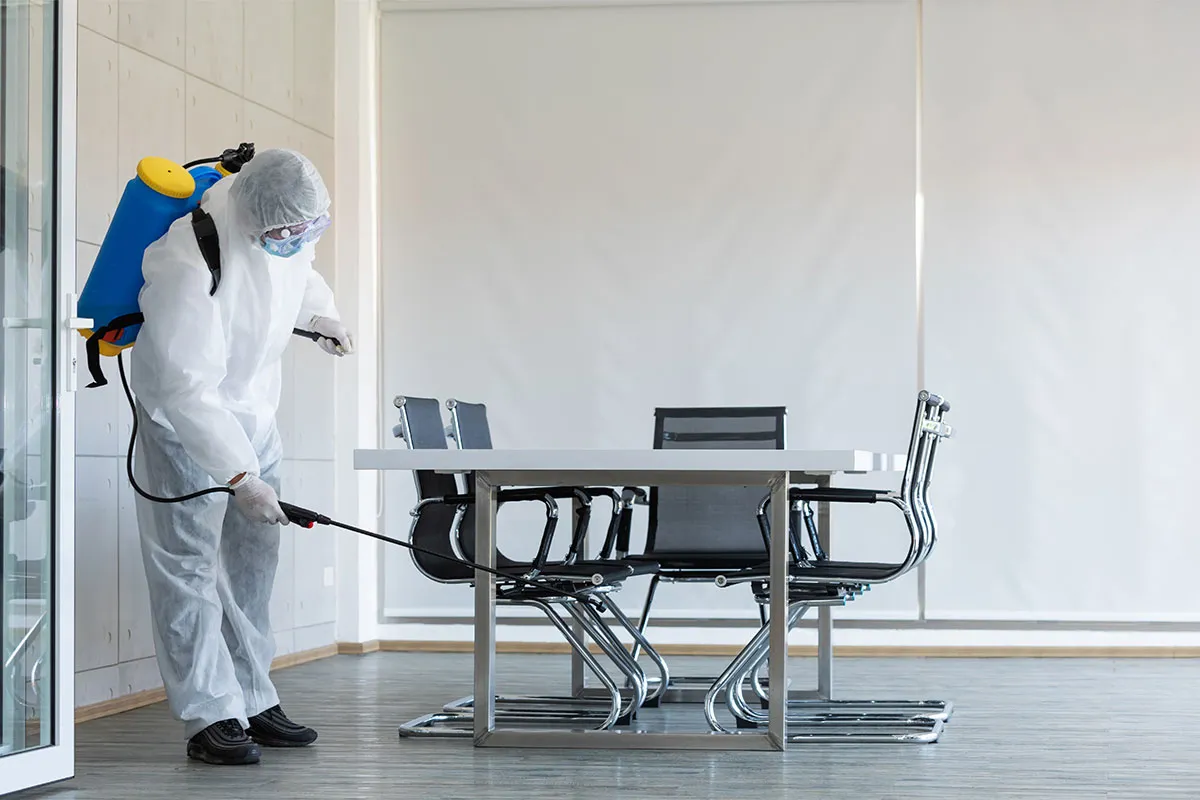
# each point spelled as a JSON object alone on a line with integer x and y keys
{"x": 232, "y": 159}
{"x": 304, "y": 517}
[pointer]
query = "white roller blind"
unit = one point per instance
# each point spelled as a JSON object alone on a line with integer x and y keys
{"x": 1062, "y": 177}
{"x": 591, "y": 212}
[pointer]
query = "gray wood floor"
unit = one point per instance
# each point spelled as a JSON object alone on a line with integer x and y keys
{"x": 1023, "y": 728}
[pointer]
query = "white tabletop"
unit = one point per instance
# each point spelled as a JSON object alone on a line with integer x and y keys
{"x": 687, "y": 465}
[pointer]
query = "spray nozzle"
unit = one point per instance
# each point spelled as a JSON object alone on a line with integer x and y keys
{"x": 303, "y": 517}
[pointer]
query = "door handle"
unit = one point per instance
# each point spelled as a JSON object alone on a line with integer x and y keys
{"x": 24, "y": 322}
{"x": 74, "y": 323}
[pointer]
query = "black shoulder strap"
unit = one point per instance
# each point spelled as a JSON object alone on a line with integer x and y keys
{"x": 92, "y": 346}
{"x": 210, "y": 245}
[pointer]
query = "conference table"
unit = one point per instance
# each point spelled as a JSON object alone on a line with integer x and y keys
{"x": 773, "y": 469}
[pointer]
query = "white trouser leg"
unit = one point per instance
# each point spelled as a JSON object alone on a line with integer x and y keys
{"x": 211, "y": 630}
{"x": 250, "y": 556}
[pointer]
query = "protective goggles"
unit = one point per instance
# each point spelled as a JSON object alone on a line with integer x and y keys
{"x": 286, "y": 242}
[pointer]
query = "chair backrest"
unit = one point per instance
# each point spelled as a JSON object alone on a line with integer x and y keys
{"x": 421, "y": 425}
{"x": 929, "y": 428}
{"x": 470, "y": 430}
{"x": 434, "y": 525}
{"x": 711, "y": 520}
{"x": 469, "y": 425}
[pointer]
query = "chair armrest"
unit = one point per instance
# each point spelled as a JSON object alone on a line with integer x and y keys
{"x": 532, "y": 494}
{"x": 583, "y": 495}
{"x": 503, "y": 496}
{"x": 630, "y": 496}
{"x": 794, "y": 544}
{"x": 637, "y": 495}
{"x": 521, "y": 495}
{"x": 602, "y": 491}
{"x": 803, "y": 516}
{"x": 577, "y": 541}
{"x": 839, "y": 495}
{"x": 619, "y": 529}
{"x": 614, "y": 523}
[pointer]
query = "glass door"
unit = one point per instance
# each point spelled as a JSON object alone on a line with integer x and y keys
{"x": 36, "y": 536}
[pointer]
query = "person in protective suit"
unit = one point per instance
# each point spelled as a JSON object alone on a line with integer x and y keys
{"x": 206, "y": 371}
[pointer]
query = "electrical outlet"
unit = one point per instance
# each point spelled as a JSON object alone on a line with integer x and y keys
{"x": 329, "y": 576}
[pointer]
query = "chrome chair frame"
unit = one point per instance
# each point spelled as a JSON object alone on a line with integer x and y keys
{"x": 813, "y": 726}
{"x": 918, "y": 721}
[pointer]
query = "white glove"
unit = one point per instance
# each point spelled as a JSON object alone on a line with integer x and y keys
{"x": 258, "y": 501}
{"x": 331, "y": 330}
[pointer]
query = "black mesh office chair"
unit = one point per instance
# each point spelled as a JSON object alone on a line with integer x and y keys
{"x": 437, "y": 527}
{"x": 695, "y": 533}
{"x": 820, "y": 581}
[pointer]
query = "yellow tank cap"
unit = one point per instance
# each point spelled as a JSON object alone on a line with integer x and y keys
{"x": 166, "y": 177}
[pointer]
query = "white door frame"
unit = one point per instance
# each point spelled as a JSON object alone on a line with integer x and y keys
{"x": 57, "y": 761}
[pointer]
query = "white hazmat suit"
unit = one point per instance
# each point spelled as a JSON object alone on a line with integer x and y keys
{"x": 206, "y": 371}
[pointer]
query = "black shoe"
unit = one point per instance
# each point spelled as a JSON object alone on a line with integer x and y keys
{"x": 273, "y": 729}
{"x": 223, "y": 742}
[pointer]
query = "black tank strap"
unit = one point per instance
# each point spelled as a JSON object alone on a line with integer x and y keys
{"x": 210, "y": 245}
{"x": 92, "y": 346}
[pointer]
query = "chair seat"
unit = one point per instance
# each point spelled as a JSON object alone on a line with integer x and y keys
{"x": 798, "y": 593}
{"x": 865, "y": 571}
{"x": 557, "y": 578}
{"x": 637, "y": 566}
{"x": 609, "y": 571}
{"x": 628, "y": 566}
{"x": 849, "y": 571}
{"x": 699, "y": 566}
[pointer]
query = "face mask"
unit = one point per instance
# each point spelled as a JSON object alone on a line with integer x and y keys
{"x": 286, "y": 242}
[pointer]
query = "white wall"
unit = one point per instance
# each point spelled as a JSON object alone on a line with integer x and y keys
{"x": 185, "y": 80}
{"x": 1063, "y": 193}
{"x": 594, "y": 209}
